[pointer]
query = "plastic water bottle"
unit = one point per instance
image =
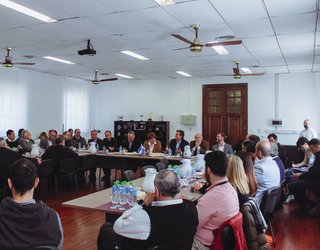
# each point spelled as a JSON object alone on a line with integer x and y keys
{"x": 120, "y": 150}
{"x": 115, "y": 193}
{"x": 169, "y": 151}
{"x": 133, "y": 195}
{"x": 79, "y": 145}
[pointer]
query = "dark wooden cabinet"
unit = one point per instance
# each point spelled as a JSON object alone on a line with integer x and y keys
{"x": 141, "y": 128}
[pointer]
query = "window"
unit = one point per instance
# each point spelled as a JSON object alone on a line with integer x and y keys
{"x": 76, "y": 108}
{"x": 12, "y": 107}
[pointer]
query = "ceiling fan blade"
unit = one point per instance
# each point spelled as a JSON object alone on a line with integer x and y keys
{"x": 253, "y": 74}
{"x": 109, "y": 79}
{"x": 226, "y": 43}
{"x": 236, "y": 71}
{"x": 182, "y": 38}
{"x": 182, "y": 48}
{"x": 24, "y": 63}
{"x": 223, "y": 75}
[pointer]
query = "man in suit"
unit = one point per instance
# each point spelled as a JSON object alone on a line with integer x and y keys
{"x": 199, "y": 145}
{"x": 78, "y": 140}
{"x": 7, "y": 158}
{"x": 98, "y": 141}
{"x": 109, "y": 142}
{"x": 11, "y": 140}
{"x": 222, "y": 145}
{"x": 132, "y": 144}
{"x": 178, "y": 143}
{"x": 25, "y": 143}
{"x": 58, "y": 152}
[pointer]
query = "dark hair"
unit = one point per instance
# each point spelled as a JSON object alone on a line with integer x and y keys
{"x": 217, "y": 161}
{"x": 248, "y": 168}
{"x": 314, "y": 142}
{"x": 301, "y": 141}
{"x": 246, "y": 143}
{"x": 108, "y": 131}
{"x": 167, "y": 183}
{"x": 222, "y": 134}
{"x": 23, "y": 174}
{"x": 42, "y": 134}
{"x": 70, "y": 129}
{"x": 53, "y": 130}
{"x": 131, "y": 132}
{"x": 254, "y": 138}
{"x": 151, "y": 135}
{"x": 251, "y": 148}
{"x": 274, "y": 136}
{"x": 20, "y": 132}
{"x": 66, "y": 132}
{"x": 59, "y": 139}
{"x": 9, "y": 132}
{"x": 181, "y": 132}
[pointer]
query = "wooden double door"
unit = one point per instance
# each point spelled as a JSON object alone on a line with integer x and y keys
{"x": 224, "y": 109}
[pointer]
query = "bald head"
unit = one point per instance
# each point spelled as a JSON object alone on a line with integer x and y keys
{"x": 167, "y": 182}
{"x": 263, "y": 149}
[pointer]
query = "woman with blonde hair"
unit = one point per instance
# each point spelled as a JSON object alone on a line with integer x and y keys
{"x": 238, "y": 178}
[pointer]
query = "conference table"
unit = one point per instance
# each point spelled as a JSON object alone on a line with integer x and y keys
{"x": 101, "y": 201}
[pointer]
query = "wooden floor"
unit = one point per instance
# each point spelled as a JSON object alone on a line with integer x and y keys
{"x": 81, "y": 227}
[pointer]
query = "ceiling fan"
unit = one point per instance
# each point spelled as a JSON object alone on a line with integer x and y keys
{"x": 8, "y": 61}
{"x": 97, "y": 81}
{"x": 196, "y": 46}
{"x": 237, "y": 75}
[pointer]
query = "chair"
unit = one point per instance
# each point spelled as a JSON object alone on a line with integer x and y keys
{"x": 67, "y": 169}
{"x": 255, "y": 236}
{"x": 160, "y": 165}
{"x": 143, "y": 173}
{"x": 129, "y": 175}
{"x": 45, "y": 172}
{"x": 87, "y": 163}
{"x": 268, "y": 205}
{"x": 230, "y": 235}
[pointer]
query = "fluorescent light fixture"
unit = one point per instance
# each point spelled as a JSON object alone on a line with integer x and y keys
{"x": 58, "y": 60}
{"x": 220, "y": 50}
{"x": 165, "y": 2}
{"x": 129, "y": 53}
{"x": 124, "y": 76}
{"x": 246, "y": 70}
{"x": 27, "y": 11}
{"x": 183, "y": 73}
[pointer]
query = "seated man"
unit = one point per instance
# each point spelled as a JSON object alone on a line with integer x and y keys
{"x": 11, "y": 140}
{"x": 276, "y": 158}
{"x": 78, "y": 141}
{"x": 25, "y": 143}
{"x": 67, "y": 137}
{"x": 265, "y": 169}
{"x": 109, "y": 142}
{"x": 177, "y": 144}
{"x": 58, "y": 152}
{"x": 96, "y": 139}
{"x": 199, "y": 145}
{"x": 281, "y": 149}
{"x": 219, "y": 203}
{"x": 164, "y": 220}
{"x": 308, "y": 181}
{"x": 222, "y": 145}
{"x": 50, "y": 140}
{"x": 132, "y": 144}
{"x": 24, "y": 222}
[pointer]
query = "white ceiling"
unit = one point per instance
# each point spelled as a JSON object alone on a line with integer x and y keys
{"x": 278, "y": 36}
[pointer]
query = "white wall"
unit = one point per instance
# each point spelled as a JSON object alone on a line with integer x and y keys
{"x": 298, "y": 99}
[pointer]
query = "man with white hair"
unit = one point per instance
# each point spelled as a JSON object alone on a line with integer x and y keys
{"x": 199, "y": 145}
{"x": 265, "y": 169}
{"x": 308, "y": 131}
{"x": 25, "y": 143}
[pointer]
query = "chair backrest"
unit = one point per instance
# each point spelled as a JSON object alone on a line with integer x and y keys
{"x": 160, "y": 165}
{"x": 255, "y": 236}
{"x": 68, "y": 166}
{"x": 87, "y": 162}
{"x": 46, "y": 168}
{"x": 143, "y": 173}
{"x": 129, "y": 175}
{"x": 271, "y": 199}
{"x": 230, "y": 235}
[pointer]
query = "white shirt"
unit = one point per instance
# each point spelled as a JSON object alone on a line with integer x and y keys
{"x": 309, "y": 133}
{"x": 135, "y": 223}
{"x": 152, "y": 145}
{"x": 221, "y": 147}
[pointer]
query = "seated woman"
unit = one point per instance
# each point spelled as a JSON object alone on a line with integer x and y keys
{"x": 238, "y": 178}
{"x": 248, "y": 169}
{"x": 152, "y": 145}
